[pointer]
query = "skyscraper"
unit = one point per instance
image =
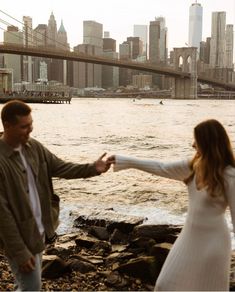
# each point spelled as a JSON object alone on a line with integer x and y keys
{"x": 136, "y": 47}
{"x": 40, "y": 40}
{"x": 158, "y": 48}
{"x": 62, "y": 44}
{"x": 110, "y": 75}
{"x": 13, "y": 36}
{"x": 141, "y": 31}
{"x": 163, "y": 42}
{"x": 28, "y": 41}
{"x": 93, "y": 33}
{"x": 40, "y": 35}
{"x": 229, "y": 46}
{"x": 52, "y": 31}
{"x": 195, "y": 25}
{"x": 93, "y": 38}
{"x": 55, "y": 66}
{"x": 218, "y": 42}
{"x": 158, "y": 41}
{"x": 62, "y": 38}
{"x": 154, "y": 41}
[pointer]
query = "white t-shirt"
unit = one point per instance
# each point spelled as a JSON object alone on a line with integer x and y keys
{"x": 33, "y": 192}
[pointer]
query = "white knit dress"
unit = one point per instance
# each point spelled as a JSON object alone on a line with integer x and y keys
{"x": 200, "y": 258}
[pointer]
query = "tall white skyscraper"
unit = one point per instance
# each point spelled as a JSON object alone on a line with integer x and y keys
{"x": 218, "y": 40}
{"x": 141, "y": 31}
{"x": 195, "y": 25}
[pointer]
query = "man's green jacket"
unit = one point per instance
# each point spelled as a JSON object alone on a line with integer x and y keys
{"x": 19, "y": 235}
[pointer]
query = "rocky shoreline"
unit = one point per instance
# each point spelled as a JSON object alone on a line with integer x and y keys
{"x": 105, "y": 254}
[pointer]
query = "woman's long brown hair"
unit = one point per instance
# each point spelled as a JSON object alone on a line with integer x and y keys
{"x": 213, "y": 155}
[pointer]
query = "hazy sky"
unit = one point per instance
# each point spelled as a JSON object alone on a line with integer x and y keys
{"x": 117, "y": 16}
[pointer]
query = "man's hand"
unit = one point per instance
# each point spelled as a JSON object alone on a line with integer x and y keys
{"x": 28, "y": 266}
{"x": 102, "y": 165}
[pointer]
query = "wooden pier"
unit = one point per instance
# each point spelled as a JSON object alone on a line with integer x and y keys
{"x": 37, "y": 99}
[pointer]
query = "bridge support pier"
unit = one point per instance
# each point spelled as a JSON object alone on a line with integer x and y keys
{"x": 182, "y": 87}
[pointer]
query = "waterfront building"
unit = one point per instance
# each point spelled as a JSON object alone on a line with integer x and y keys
{"x": 229, "y": 46}
{"x": 14, "y": 62}
{"x": 218, "y": 40}
{"x": 195, "y": 25}
{"x": 28, "y": 41}
{"x": 141, "y": 31}
{"x": 6, "y": 80}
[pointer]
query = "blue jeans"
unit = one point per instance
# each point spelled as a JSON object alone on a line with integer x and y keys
{"x": 27, "y": 281}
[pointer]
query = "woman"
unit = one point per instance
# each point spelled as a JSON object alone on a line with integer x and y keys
{"x": 200, "y": 257}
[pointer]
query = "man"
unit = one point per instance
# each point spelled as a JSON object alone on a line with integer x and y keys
{"x": 27, "y": 213}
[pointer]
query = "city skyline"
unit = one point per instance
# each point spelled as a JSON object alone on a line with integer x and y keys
{"x": 130, "y": 13}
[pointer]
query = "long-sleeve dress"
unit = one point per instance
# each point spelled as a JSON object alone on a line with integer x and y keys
{"x": 200, "y": 257}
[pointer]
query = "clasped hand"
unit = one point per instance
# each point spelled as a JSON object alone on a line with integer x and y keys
{"x": 104, "y": 165}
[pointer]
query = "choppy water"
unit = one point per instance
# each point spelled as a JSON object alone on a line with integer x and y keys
{"x": 83, "y": 130}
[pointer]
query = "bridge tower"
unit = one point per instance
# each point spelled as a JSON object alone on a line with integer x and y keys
{"x": 185, "y": 59}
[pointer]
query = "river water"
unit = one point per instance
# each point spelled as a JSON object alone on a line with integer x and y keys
{"x": 86, "y": 128}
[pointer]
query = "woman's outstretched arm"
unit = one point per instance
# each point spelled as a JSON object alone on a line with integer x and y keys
{"x": 178, "y": 170}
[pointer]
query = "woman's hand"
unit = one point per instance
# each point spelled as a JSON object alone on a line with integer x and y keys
{"x": 111, "y": 159}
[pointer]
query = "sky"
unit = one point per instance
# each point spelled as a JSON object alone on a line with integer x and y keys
{"x": 117, "y": 16}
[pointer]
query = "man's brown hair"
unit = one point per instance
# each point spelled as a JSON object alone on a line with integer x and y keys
{"x": 14, "y": 109}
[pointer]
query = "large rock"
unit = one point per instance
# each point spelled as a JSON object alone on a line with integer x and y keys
{"x": 144, "y": 267}
{"x": 160, "y": 233}
{"x": 53, "y": 267}
{"x": 99, "y": 232}
{"x": 108, "y": 219}
{"x": 85, "y": 241}
{"x": 114, "y": 279}
{"x": 81, "y": 266}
